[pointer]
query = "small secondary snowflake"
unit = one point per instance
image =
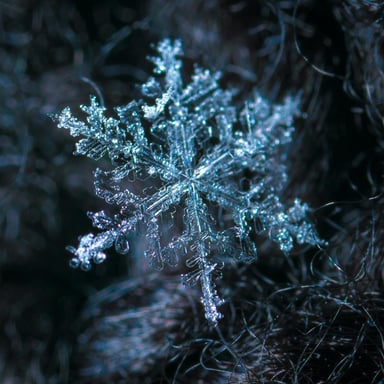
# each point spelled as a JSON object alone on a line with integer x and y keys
{"x": 222, "y": 168}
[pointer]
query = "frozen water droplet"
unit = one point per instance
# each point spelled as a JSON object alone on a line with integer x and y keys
{"x": 122, "y": 244}
{"x": 99, "y": 258}
{"x": 74, "y": 262}
{"x": 86, "y": 265}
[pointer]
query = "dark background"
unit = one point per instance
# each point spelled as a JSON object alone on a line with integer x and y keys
{"x": 313, "y": 318}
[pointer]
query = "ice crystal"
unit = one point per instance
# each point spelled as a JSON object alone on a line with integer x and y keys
{"x": 222, "y": 168}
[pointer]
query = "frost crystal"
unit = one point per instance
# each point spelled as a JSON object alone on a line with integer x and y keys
{"x": 223, "y": 169}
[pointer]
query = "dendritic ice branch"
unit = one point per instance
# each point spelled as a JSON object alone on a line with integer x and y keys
{"x": 222, "y": 168}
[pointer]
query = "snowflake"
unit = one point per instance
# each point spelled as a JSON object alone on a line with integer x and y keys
{"x": 221, "y": 168}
